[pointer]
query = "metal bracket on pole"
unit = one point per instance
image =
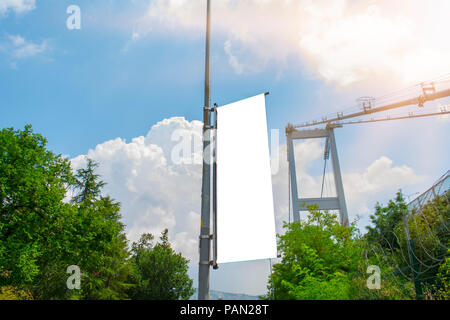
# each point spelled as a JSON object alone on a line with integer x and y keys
{"x": 334, "y": 203}
{"x": 209, "y": 111}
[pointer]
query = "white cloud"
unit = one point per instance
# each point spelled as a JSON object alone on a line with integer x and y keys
{"x": 22, "y": 48}
{"x": 17, "y": 40}
{"x": 379, "y": 181}
{"x": 18, "y": 6}
{"x": 155, "y": 193}
{"x": 232, "y": 60}
{"x": 344, "y": 42}
{"x": 17, "y": 48}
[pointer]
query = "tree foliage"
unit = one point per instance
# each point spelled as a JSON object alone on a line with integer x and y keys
{"x": 42, "y": 234}
{"x": 319, "y": 258}
{"x": 386, "y": 245}
{"x": 385, "y": 220}
{"x": 429, "y": 230}
{"x": 33, "y": 184}
{"x": 159, "y": 273}
{"x": 441, "y": 288}
{"x": 87, "y": 183}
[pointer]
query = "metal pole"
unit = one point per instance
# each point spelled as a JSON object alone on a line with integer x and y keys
{"x": 293, "y": 179}
{"x": 205, "y": 237}
{"x": 338, "y": 179}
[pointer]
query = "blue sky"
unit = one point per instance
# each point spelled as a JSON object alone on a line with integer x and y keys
{"x": 85, "y": 89}
{"x": 136, "y": 63}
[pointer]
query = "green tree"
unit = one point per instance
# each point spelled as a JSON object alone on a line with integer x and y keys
{"x": 441, "y": 288}
{"x": 100, "y": 248}
{"x": 394, "y": 285}
{"x": 319, "y": 259}
{"x": 91, "y": 236}
{"x": 429, "y": 229}
{"x": 88, "y": 183}
{"x": 158, "y": 272}
{"x": 384, "y": 248}
{"x": 33, "y": 184}
{"x": 385, "y": 220}
{"x": 385, "y": 245}
{"x": 41, "y": 234}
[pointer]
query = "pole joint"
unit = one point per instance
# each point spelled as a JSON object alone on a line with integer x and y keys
{"x": 209, "y": 264}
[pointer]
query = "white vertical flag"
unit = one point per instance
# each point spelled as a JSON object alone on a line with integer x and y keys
{"x": 245, "y": 213}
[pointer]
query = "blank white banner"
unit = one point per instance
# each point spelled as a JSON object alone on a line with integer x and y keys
{"x": 245, "y": 214}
